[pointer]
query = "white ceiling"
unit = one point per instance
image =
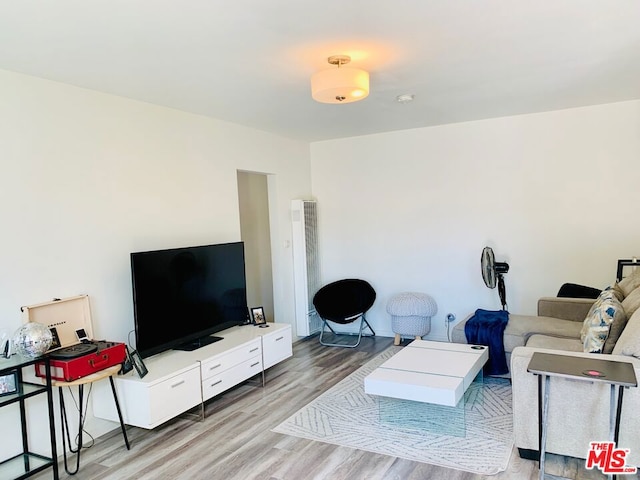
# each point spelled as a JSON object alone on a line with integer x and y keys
{"x": 250, "y": 61}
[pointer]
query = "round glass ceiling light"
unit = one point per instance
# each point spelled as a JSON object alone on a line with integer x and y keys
{"x": 340, "y": 84}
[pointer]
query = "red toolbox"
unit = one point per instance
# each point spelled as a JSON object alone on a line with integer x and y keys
{"x": 74, "y": 355}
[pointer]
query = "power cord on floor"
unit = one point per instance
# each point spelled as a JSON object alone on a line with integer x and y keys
{"x": 84, "y": 418}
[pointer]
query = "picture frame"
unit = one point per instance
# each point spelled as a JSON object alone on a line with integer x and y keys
{"x": 626, "y": 267}
{"x": 138, "y": 364}
{"x": 8, "y": 383}
{"x": 257, "y": 316}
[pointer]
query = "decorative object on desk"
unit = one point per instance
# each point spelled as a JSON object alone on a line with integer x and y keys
{"x": 127, "y": 365}
{"x": 32, "y": 339}
{"x": 257, "y": 316}
{"x": 138, "y": 364}
{"x": 8, "y": 384}
{"x": 6, "y": 344}
{"x": 492, "y": 273}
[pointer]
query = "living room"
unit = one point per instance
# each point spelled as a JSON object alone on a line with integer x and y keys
{"x": 89, "y": 177}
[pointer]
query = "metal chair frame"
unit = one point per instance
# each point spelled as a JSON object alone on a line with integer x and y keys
{"x": 363, "y": 325}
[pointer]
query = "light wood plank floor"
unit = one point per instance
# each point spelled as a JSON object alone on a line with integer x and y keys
{"x": 235, "y": 441}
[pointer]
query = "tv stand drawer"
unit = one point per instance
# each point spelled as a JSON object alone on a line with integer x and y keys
{"x": 219, "y": 383}
{"x": 174, "y": 396}
{"x": 148, "y": 405}
{"x": 220, "y": 363}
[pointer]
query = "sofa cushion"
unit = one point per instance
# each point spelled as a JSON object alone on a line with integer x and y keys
{"x": 630, "y": 282}
{"x": 615, "y": 330}
{"x": 555, "y": 343}
{"x": 597, "y": 324}
{"x": 631, "y": 303}
{"x": 521, "y": 327}
{"x": 629, "y": 341}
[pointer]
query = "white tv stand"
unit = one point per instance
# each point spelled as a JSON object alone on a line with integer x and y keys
{"x": 179, "y": 380}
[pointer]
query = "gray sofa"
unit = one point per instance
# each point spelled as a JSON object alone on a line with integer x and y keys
{"x": 578, "y": 411}
{"x": 559, "y": 321}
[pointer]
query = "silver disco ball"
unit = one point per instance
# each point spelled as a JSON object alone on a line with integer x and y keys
{"x": 32, "y": 339}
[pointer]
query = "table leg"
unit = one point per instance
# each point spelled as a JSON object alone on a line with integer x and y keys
{"x": 539, "y": 416}
{"x": 115, "y": 398}
{"x": 545, "y": 411}
{"x": 66, "y": 436}
{"x": 615, "y": 408}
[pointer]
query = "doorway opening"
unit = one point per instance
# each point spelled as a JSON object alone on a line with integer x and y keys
{"x": 253, "y": 200}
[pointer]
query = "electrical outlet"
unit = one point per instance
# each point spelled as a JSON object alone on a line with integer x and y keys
{"x": 450, "y": 317}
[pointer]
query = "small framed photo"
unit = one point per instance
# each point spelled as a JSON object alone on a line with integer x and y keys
{"x": 8, "y": 383}
{"x": 257, "y": 316}
{"x": 138, "y": 364}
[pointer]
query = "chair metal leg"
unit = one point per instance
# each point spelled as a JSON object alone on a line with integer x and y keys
{"x": 363, "y": 325}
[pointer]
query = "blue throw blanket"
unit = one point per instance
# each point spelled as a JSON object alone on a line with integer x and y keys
{"x": 486, "y": 327}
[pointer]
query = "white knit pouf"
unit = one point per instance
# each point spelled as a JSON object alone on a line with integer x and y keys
{"x": 411, "y": 314}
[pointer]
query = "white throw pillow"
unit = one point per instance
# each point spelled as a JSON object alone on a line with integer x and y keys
{"x": 629, "y": 341}
{"x": 631, "y": 303}
{"x": 629, "y": 283}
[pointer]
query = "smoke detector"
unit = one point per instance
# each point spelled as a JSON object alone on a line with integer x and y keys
{"x": 405, "y": 98}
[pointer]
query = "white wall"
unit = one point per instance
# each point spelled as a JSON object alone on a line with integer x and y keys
{"x": 554, "y": 194}
{"x": 87, "y": 178}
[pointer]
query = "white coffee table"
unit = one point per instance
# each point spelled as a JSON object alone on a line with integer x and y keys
{"x": 430, "y": 372}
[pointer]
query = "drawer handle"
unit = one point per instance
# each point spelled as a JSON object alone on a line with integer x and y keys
{"x": 279, "y": 338}
{"x": 257, "y": 363}
{"x": 254, "y": 350}
{"x": 214, "y": 384}
{"x": 177, "y": 384}
{"x": 215, "y": 366}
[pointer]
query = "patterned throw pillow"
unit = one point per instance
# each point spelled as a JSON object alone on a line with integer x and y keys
{"x": 616, "y": 290}
{"x": 597, "y": 324}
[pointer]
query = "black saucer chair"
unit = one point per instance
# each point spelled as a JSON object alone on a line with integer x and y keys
{"x": 344, "y": 302}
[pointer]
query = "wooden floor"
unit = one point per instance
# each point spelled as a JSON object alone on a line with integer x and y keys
{"x": 235, "y": 441}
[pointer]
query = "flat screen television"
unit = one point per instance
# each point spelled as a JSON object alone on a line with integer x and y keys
{"x": 182, "y": 296}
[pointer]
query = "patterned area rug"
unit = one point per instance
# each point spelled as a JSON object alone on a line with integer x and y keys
{"x": 346, "y": 416}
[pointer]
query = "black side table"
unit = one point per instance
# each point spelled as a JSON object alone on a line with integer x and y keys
{"x": 615, "y": 373}
{"x": 27, "y": 463}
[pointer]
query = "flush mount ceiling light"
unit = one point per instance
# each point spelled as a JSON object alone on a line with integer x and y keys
{"x": 340, "y": 84}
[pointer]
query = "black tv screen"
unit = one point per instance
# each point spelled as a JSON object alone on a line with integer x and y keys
{"x": 183, "y": 295}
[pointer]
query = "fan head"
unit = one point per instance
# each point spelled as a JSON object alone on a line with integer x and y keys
{"x": 488, "y": 263}
{"x": 492, "y": 273}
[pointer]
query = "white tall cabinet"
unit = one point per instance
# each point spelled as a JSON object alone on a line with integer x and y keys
{"x": 178, "y": 381}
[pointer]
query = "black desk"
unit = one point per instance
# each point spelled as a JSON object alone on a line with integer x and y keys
{"x": 615, "y": 373}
